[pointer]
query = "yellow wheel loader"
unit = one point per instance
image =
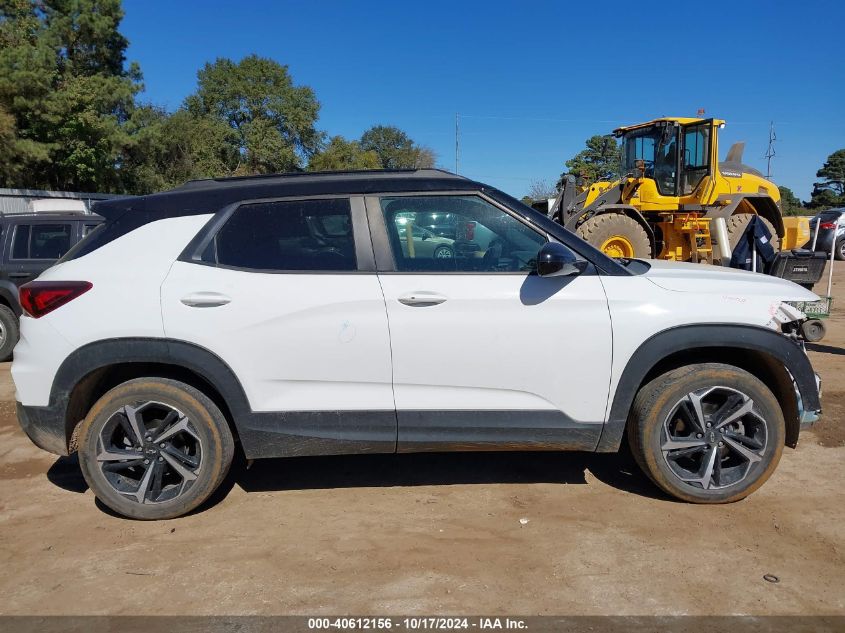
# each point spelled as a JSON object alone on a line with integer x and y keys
{"x": 675, "y": 200}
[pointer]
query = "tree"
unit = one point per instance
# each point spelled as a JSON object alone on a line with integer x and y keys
{"x": 831, "y": 191}
{"x": 341, "y": 154}
{"x": 601, "y": 160}
{"x": 541, "y": 190}
{"x": 273, "y": 119}
{"x": 168, "y": 149}
{"x": 789, "y": 203}
{"x": 65, "y": 93}
{"x": 395, "y": 149}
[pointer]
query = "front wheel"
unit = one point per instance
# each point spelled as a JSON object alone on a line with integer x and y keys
{"x": 154, "y": 448}
{"x": 443, "y": 252}
{"x": 616, "y": 235}
{"x": 707, "y": 433}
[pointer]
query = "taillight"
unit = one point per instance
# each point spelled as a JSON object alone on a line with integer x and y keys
{"x": 470, "y": 231}
{"x": 42, "y": 297}
{"x": 828, "y": 225}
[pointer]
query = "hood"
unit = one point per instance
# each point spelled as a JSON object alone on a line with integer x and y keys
{"x": 703, "y": 278}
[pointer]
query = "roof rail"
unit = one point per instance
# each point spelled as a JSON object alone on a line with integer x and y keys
{"x": 339, "y": 172}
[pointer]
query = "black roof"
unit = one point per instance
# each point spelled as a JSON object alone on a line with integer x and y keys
{"x": 208, "y": 196}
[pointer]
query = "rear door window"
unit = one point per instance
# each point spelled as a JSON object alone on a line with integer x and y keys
{"x": 302, "y": 235}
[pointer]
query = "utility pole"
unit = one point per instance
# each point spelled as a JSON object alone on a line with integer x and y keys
{"x": 770, "y": 152}
{"x": 457, "y": 142}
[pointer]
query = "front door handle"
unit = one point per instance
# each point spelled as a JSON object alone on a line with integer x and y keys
{"x": 205, "y": 300}
{"x": 421, "y": 299}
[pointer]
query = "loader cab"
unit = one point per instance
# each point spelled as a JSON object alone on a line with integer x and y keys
{"x": 676, "y": 154}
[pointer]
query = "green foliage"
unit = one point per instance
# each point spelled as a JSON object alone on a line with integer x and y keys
{"x": 789, "y": 203}
{"x": 69, "y": 117}
{"x": 601, "y": 160}
{"x": 341, "y": 154}
{"x": 830, "y": 192}
{"x": 65, "y": 93}
{"x": 273, "y": 120}
{"x": 168, "y": 149}
{"x": 395, "y": 150}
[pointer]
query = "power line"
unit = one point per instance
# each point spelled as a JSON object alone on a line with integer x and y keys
{"x": 457, "y": 142}
{"x": 770, "y": 151}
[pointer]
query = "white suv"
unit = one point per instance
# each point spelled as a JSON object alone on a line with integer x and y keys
{"x": 299, "y": 315}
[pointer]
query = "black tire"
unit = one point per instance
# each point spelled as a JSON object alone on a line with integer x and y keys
{"x": 601, "y": 228}
{"x": 813, "y": 330}
{"x": 736, "y": 227}
{"x": 205, "y": 440}
{"x": 839, "y": 253}
{"x": 662, "y": 424}
{"x": 9, "y": 332}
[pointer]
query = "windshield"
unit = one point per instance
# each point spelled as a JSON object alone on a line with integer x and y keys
{"x": 652, "y": 153}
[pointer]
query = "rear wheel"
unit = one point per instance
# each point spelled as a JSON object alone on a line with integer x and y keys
{"x": 9, "y": 332}
{"x": 736, "y": 227}
{"x": 707, "y": 433}
{"x": 616, "y": 235}
{"x": 154, "y": 448}
{"x": 839, "y": 253}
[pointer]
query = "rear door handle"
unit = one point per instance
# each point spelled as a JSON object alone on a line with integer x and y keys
{"x": 19, "y": 275}
{"x": 421, "y": 299}
{"x": 205, "y": 300}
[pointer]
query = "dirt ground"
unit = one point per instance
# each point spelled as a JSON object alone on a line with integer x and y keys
{"x": 436, "y": 534}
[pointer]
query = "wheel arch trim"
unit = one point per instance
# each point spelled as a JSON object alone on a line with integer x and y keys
{"x": 87, "y": 360}
{"x": 690, "y": 338}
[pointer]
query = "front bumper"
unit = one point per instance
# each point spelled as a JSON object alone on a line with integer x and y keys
{"x": 45, "y": 426}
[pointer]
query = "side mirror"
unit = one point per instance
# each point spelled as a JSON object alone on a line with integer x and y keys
{"x": 555, "y": 260}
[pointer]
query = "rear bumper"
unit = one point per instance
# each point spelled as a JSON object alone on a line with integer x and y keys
{"x": 45, "y": 426}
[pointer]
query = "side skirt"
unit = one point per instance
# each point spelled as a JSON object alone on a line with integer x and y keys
{"x": 302, "y": 433}
{"x": 421, "y": 431}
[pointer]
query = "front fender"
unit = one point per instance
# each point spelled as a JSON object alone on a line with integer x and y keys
{"x": 690, "y": 338}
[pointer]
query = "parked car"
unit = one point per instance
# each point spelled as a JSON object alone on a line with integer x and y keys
{"x": 423, "y": 241}
{"x": 29, "y": 244}
{"x": 280, "y": 316}
{"x": 831, "y": 226}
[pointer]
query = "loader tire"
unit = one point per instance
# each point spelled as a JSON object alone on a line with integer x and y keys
{"x": 616, "y": 235}
{"x": 736, "y": 227}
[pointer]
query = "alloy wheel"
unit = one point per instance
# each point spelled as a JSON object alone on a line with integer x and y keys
{"x": 149, "y": 452}
{"x": 713, "y": 437}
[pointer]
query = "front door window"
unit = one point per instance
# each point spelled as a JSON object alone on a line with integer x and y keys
{"x": 457, "y": 234}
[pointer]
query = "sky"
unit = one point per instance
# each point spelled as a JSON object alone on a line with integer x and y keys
{"x": 529, "y": 81}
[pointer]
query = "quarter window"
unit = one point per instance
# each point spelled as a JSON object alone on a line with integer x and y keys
{"x": 457, "y": 234}
{"x": 287, "y": 236}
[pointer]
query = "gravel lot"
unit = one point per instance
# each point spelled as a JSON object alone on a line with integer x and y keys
{"x": 497, "y": 533}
